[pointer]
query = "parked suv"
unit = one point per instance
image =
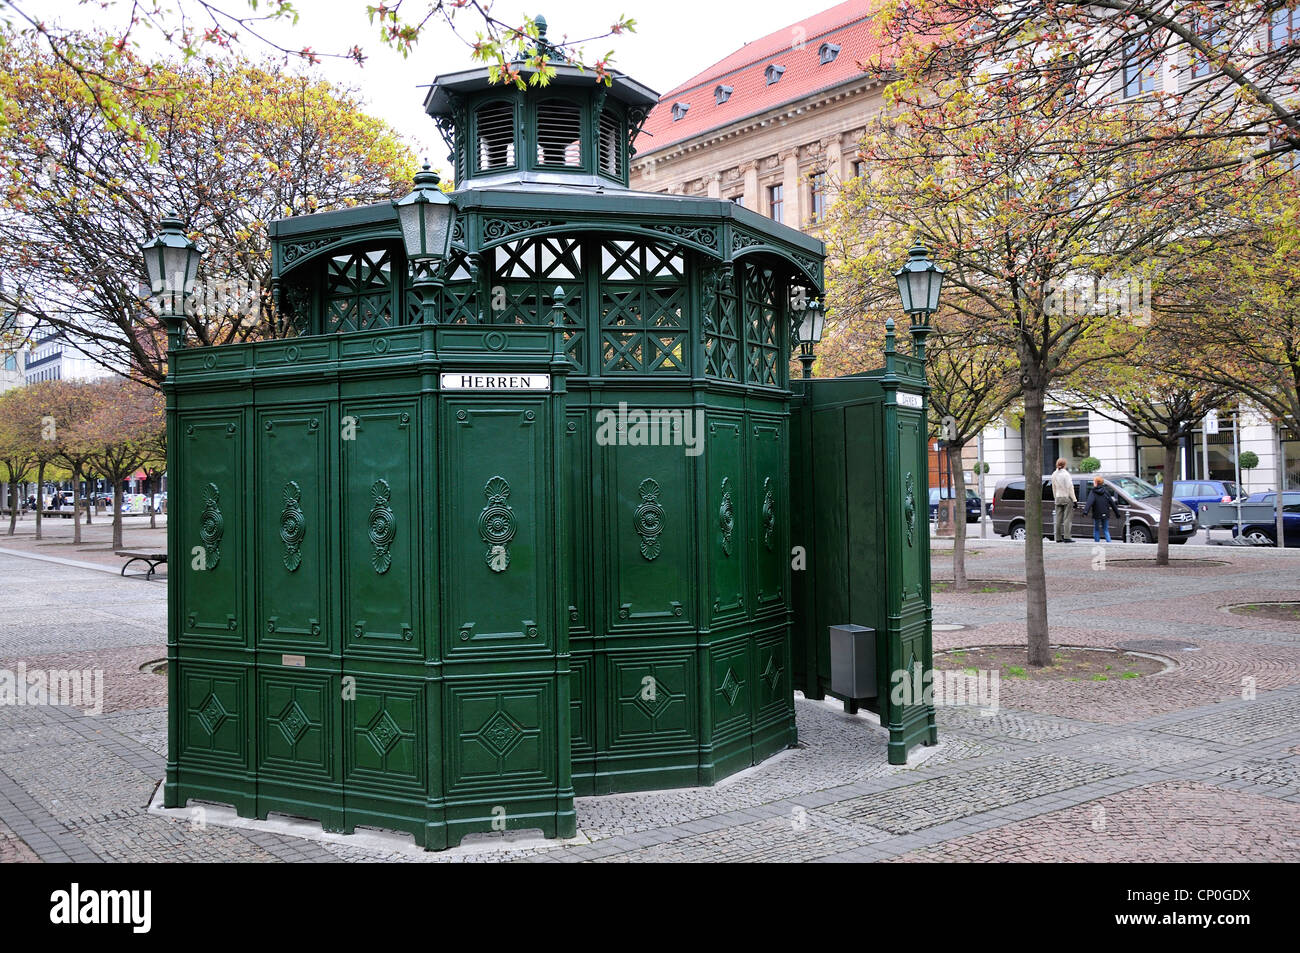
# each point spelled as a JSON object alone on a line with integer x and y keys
{"x": 1136, "y": 499}
{"x": 973, "y": 508}
{"x": 1193, "y": 493}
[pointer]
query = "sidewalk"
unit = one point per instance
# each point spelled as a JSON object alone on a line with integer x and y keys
{"x": 1201, "y": 762}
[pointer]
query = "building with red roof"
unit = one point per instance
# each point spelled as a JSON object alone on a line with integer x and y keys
{"x": 773, "y": 126}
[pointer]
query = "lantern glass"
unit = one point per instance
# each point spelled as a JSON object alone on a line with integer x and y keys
{"x": 170, "y": 259}
{"x": 919, "y": 289}
{"x": 427, "y": 217}
{"x": 812, "y": 323}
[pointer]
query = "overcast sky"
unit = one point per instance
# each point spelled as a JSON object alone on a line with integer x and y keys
{"x": 674, "y": 39}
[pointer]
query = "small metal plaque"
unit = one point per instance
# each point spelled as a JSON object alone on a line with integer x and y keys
{"x": 298, "y": 661}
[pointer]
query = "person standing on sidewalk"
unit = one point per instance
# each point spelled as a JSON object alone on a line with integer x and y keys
{"x": 1099, "y": 504}
{"x": 1063, "y": 495}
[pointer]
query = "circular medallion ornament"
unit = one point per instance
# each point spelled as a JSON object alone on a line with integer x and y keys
{"x": 293, "y": 527}
{"x": 496, "y": 524}
{"x": 383, "y": 527}
{"x": 494, "y": 341}
{"x": 212, "y": 526}
{"x": 649, "y": 518}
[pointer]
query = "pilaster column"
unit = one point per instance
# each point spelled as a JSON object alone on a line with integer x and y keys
{"x": 749, "y": 172}
{"x": 793, "y": 194}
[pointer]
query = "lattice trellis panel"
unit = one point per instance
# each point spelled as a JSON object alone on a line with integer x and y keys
{"x": 643, "y": 309}
{"x": 761, "y": 313}
{"x": 459, "y": 305}
{"x": 721, "y": 327}
{"x": 359, "y": 291}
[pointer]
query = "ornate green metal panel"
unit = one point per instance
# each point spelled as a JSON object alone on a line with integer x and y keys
{"x": 862, "y": 509}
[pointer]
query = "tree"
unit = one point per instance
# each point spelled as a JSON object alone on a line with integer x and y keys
{"x": 68, "y": 403}
{"x": 972, "y": 373}
{"x": 17, "y": 452}
{"x": 1027, "y": 239}
{"x": 34, "y": 411}
{"x": 1233, "y": 65}
{"x": 1234, "y": 294}
{"x": 1151, "y": 393}
{"x": 205, "y": 31}
{"x": 120, "y": 433}
{"x": 242, "y": 144}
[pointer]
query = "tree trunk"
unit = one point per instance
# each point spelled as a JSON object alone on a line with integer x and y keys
{"x": 1040, "y": 647}
{"x": 117, "y": 514}
{"x": 76, "y": 505}
{"x": 40, "y": 495}
{"x": 90, "y": 501}
{"x": 13, "y": 506}
{"x": 959, "y": 518}
{"x": 1166, "y": 504}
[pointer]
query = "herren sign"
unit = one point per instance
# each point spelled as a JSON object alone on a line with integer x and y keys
{"x": 497, "y": 382}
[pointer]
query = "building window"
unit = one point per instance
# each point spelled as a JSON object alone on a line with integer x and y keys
{"x": 773, "y": 73}
{"x": 1141, "y": 67}
{"x": 827, "y": 52}
{"x": 1284, "y": 29}
{"x": 721, "y": 94}
{"x": 817, "y": 194}
{"x": 738, "y": 200}
{"x": 679, "y": 110}
{"x": 776, "y": 202}
{"x": 859, "y": 168}
{"x": 1215, "y": 37}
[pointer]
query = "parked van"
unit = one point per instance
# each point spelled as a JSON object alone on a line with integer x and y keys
{"x": 1137, "y": 500}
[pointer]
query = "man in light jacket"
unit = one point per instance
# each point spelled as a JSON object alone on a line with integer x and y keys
{"x": 1063, "y": 495}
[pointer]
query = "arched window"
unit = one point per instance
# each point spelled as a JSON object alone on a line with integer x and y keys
{"x": 494, "y": 136}
{"x": 559, "y": 133}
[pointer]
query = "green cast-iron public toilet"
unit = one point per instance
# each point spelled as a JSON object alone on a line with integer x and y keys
{"x": 515, "y": 521}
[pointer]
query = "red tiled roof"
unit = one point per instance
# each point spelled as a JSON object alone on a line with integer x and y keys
{"x": 847, "y": 24}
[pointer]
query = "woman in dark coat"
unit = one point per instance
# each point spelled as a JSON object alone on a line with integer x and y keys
{"x": 1099, "y": 504}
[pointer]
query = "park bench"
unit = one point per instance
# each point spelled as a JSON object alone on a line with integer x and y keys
{"x": 153, "y": 559}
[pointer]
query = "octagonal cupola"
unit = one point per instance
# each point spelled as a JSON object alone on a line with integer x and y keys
{"x": 576, "y": 130}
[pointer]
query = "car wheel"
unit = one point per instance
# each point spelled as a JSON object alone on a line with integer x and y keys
{"x": 1259, "y": 537}
{"x": 1139, "y": 534}
{"x": 1018, "y": 531}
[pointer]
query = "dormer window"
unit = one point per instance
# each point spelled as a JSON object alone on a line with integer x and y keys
{"x": 827, "y": 52}
{"x": 722, "y": 94}
{"x": 494, "y": 136}
{"x": 773, "y": 73}
{"x": 559, "y": 133}
{"x": 679, "y": 110}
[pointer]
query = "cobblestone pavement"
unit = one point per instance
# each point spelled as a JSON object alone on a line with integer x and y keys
{"x": 1201, "y": 762}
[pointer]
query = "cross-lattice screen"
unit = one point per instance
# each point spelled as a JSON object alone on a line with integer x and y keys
{"x": 643, "y": 309}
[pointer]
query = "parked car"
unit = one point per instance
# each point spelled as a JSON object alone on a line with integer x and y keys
{"x": 1265, "y": 534}
{"x": 1195, "y": 492}
{"x": 973, "y": 508}
{"x": 1137, "y": 500}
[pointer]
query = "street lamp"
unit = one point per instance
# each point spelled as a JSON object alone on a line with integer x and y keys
{"x": 427, "y": 216}
{"x": 809, "y": 332}
{"x": 920, "y": 281}
{"x": 171, "y": 260}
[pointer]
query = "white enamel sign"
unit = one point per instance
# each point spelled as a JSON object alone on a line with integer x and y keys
{"x": 480, "y": 381}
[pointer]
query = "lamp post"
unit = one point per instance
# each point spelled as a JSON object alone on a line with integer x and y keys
{"x": 809, "y": 333}
{"x": 427, "y": 216}
{"x": 920, "y": 281}
{"x": 171, "y": 260}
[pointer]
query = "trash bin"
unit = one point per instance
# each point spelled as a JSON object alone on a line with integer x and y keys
{"x": 853, "y": 661}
